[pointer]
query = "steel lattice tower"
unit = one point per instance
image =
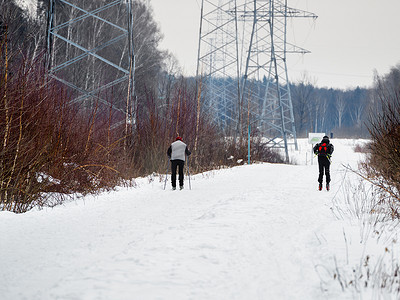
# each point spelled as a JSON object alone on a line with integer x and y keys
{"x": 90, "y": 50}
{"x": 218, "y": 61}
{"x": 264, "y": 92}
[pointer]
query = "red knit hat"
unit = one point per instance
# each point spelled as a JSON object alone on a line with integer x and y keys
{"x": 178, "y": 138}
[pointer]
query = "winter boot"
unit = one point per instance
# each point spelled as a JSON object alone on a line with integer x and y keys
{"x": 174, "y": 188}
{"x": 327, "y": 186}
{"x": 320, "y": 187}
{"x": 181, "y": 187}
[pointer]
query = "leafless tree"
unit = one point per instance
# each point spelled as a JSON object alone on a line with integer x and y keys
{"x": 320, "y": 113}
{"x": 357, "y": 114}
{"x": 147, "y": 36}
{"x": 340, "y": 105}
{"x": 304, "y": 104}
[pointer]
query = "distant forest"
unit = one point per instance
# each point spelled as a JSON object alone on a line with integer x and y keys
{"x": 341, "y": 112}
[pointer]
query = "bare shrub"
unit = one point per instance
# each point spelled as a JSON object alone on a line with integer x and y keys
{"x": 48, "y": 145}
{"x": 383, "y": 165}
{"x": 362, "y": 148}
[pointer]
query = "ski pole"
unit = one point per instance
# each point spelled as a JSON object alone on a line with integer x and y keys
{"x": 188, "y": 169}
{"x": 166, "y": 175}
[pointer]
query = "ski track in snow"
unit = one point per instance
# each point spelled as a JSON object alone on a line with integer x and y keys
{"x": 250, "y": 232}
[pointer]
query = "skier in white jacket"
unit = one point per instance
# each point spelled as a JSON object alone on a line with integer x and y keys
{"x": 177, "y": 153}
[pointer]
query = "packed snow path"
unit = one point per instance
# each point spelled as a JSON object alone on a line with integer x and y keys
{"x": 251, "y": 232}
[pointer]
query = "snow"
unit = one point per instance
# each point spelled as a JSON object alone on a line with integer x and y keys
{"x": 251, "y": 232}
{"x": 29, "y": 6}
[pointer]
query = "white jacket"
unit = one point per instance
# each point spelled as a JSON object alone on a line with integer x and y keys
{"x": 178, "y": 150}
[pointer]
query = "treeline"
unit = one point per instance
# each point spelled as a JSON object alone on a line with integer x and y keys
{"x": 341, "y": 112}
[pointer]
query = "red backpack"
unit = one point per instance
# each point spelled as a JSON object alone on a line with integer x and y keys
{"x": 323, "y": 148}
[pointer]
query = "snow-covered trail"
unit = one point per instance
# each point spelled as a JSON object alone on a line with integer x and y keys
{"x": 250, "y": 232}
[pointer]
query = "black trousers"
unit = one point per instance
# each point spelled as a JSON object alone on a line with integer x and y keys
{"x": 324, "y": 164}
{"x": 177, "y": 164}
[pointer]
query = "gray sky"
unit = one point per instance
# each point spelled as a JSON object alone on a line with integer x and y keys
{"x": 349, "y": 40}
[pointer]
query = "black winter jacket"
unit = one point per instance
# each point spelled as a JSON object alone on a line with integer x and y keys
{"x": 325, "y": 148}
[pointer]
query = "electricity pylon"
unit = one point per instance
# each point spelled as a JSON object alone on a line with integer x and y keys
{"x": 264, "y": 92}
{"x": 218, "y": 62}
{"x": 90, "y": 51}
{"x": 267, "y": 57}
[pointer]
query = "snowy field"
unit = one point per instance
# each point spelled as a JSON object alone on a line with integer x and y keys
{"x": 252, "y": 232}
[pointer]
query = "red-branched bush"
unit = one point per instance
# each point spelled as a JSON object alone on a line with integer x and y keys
{"x": 49, "y": 145}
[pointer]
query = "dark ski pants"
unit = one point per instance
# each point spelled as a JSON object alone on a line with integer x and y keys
{"x": 177, "y": 164}
{"x": 324, "y": 164}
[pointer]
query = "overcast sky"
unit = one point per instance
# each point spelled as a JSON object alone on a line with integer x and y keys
{"x": 349, "y": 40}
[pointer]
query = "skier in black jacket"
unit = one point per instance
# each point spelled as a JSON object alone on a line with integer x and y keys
{"x": 177, "y": 153}
{"x": 324, "y": 151}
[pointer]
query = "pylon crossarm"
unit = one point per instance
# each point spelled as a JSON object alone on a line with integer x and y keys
{"x": 290, "y": 48}
{"x": 298, "y": 13}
